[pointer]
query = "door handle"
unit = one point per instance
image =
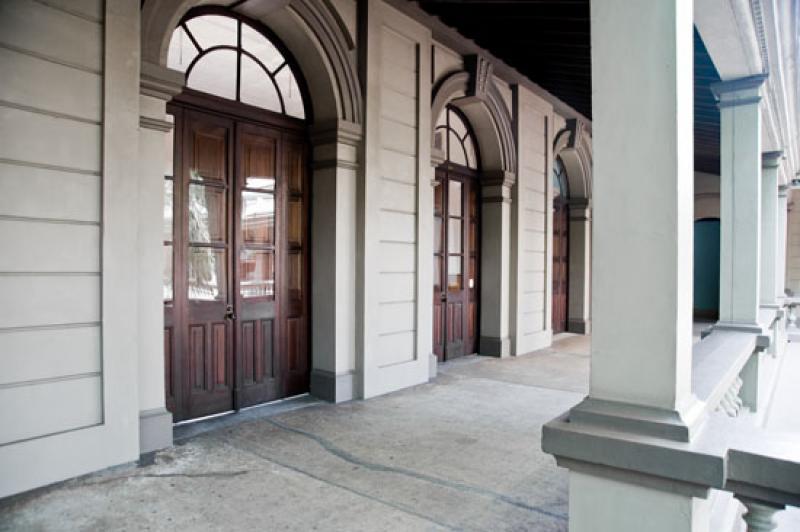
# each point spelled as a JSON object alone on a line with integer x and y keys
{"x": 229, "y": 314}
{"x": 443, "y": 297}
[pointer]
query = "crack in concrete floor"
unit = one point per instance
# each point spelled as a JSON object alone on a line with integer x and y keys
{"x": 460, "y": 486}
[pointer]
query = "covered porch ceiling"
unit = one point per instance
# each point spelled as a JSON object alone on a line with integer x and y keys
{"x": 549, "y": 42}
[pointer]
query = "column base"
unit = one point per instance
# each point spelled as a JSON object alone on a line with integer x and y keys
{"x": 433, "y": 366}
{"x": 579, "y": 326}
{"x": 155, "y": 430}
{"x": 332, "y": 387}
{"x": 494, "y": 347}
{"x": 643, "y": 420}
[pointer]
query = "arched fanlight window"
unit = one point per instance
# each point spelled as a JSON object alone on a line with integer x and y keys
{"x": 456, "y": 139}
{"x": 227, "y": 57}
{"x": 560, "y": 184}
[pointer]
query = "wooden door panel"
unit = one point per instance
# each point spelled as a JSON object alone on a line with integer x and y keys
{"x": 560, "y": 265}
{"x": 197, "y": 353}
{"x": 236, "y": 328}
{"x": 257, "y": 230}
{"x": 456, "y": 257}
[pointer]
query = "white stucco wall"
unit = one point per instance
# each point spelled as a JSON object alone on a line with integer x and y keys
{"x": 531, "y": 226}
{"x": 49, "y": 220}
{"x": 398, "y": 230}
{"x": 68, "y": 120}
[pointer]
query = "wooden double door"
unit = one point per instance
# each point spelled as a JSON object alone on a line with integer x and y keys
{"x": 456, "y": 262}
{"x": 236, "y": 313}
{"x": 560, "y": 264}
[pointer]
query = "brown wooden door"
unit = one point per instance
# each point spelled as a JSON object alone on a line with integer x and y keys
{"x": 207, "y": 168}
{"x": 560, "y": 264}
{"x": 236, "y": 326}
{"x": 455, "y": 290}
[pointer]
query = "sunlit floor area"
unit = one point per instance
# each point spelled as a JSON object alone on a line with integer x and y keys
{"x": 459, "y": 453}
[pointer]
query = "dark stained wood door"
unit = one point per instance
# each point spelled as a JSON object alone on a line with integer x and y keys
{"x": 560, "y": 264}
{"x": 456, "y": 258}
{"x": 236, "y": 324}
{"x": 207, "y": 166}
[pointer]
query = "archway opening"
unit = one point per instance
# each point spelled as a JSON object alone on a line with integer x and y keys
{"x": 236, "y": 298}
{"x": 456, "y": 249}
{"x": 560, "y": 185}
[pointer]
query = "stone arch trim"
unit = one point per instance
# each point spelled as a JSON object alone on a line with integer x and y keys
{"x": 574, "y": 145}
{"x": 319, "y": 20}
{"x": 474, "y": 93}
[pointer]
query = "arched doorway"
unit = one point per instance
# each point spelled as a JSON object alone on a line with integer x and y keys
{"x": 706, "y": 268}
{"x": 560, "y": 247}
{"x": 236, "y": 302}
{"x": 456, "y": 250}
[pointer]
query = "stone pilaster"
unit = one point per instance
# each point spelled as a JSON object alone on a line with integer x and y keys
{"x": 157, "y": 86}
{"x": 336, "y": 148}
{"x": 495, "y": 263}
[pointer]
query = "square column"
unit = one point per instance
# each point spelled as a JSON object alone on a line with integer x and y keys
{"x": 642, "y": 216}
{"x": 780, "y": 266}
{"x": 643, "y": 204}
{"x": 769, "y": 228}
{"x": 740, "y": 202}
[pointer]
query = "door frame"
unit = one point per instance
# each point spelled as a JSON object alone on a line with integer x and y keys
{"x": 442, "y": 175}
{"x": 238, "y": 114}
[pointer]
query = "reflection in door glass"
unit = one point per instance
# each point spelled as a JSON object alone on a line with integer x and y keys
{"x": 206, "y": 213}
{"x": 454, "y": 276}
{"x": 206, "y": 274}
{"x": 454, "y": 198}
{"x": 168, "y": 195}
{"x": 258, "y": 217}
{"x": 454, "y": 235}
{"x": 257, "y": 273}
{"x": 168, "y": 273}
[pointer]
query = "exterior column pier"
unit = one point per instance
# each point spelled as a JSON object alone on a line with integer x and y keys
{"x": 740, "y": 202}
{"x": 769, "y": 228}
{"x": 495, "y": 264}
{"x": 642, "y": 216}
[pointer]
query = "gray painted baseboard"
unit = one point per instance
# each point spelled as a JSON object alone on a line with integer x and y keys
{"x": 329, "y": 386}
{"x": 494, "y": 347}
{"x": 155, "y": 430}
{"x": 579, "y": 326}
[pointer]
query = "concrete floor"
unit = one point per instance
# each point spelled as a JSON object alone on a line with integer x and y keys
{"x": 459, "y": 453}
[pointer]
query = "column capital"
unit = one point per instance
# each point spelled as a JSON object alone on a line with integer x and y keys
{"x": 741, "y": 91}
{"x": 771, "y": 159}
{"x": 502, "y": 178}
{"x": 159, "y": 81}
{"x": 336, "y": 144}
{"x": 336, "y": 131}
{"x": 496, "y": 186}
